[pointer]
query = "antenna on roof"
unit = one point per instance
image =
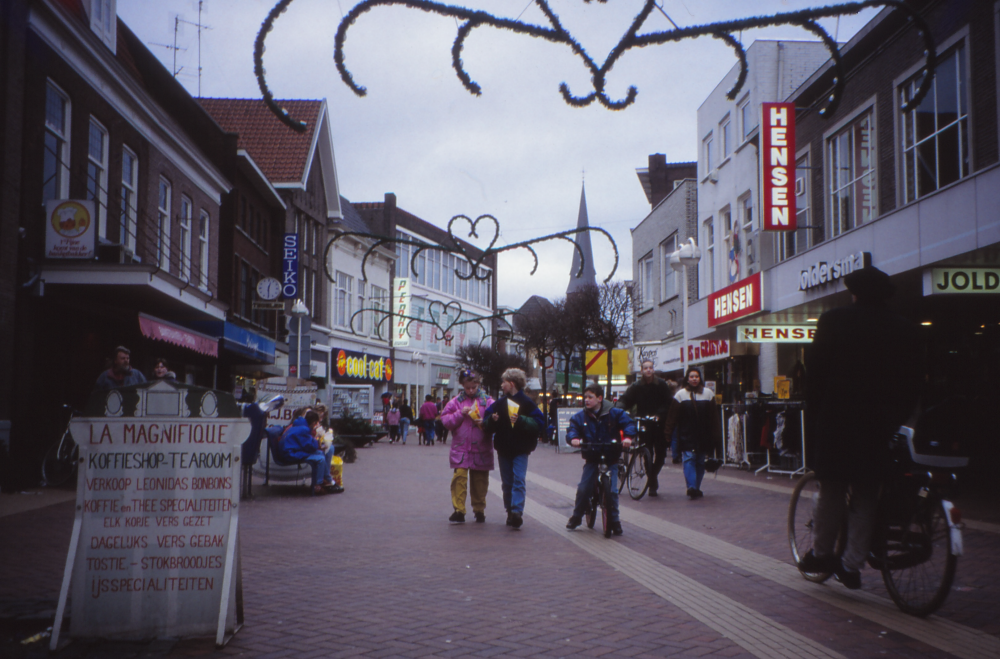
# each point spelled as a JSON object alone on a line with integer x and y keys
{"x": 174, "y": 48}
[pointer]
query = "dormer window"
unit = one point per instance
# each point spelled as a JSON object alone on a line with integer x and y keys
{"x": 103, "y": 21}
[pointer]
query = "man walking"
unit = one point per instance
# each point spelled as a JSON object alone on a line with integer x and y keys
{"x": 862, "y": 385}
{"x": 650, "y": 396}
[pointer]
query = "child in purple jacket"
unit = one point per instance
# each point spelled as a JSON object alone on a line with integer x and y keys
{"x": 471, "y": 450}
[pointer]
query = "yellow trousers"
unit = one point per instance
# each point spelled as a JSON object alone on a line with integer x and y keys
{"x": 477, "y": 489}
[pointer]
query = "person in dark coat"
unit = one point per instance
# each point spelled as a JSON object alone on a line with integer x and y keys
{"x": 695, "y": 417}
{"x": 650, "y": 396}
{"x": 515, "y": 436}
{"x": 863, "y": 384}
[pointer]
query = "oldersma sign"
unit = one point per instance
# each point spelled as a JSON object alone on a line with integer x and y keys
{"x": 961, "y": 281}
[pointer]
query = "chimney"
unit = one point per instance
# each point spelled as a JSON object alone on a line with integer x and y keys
{"x": 659, "y": 179}
{"x": 389, "y": 215}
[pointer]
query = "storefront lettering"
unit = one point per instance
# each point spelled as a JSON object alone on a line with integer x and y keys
{"x": 778, "y": 136}
{"x": 735, "y": 301}
{"x": 775, "y": 333}
{"x": 961, "y": 280}
{"x": 824, "y": 273}
{"x": 363, "y": 366}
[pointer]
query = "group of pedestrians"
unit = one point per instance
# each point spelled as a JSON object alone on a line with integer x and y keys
{"x": 510, "y": 425}
{"x": 121, "y": 374}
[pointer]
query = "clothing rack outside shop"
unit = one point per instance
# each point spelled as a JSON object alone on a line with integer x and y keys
{"x": 734, "y": 437}
{"x": 790, "y": 462}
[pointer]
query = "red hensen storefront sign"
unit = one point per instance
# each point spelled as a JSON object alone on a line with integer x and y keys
{"x": 736, "y": 301}
{"x": 777, "y": 155}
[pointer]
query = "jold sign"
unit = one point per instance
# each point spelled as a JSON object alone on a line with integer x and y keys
{"x": 961, "y": 281}
{"x": 153, "y": 552}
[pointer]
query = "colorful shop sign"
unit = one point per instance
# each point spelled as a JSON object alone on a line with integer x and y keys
{"x": 961, "y": 281}
{"x": 362, "y": 366}
{"x": 290, "y": 266}
{"x": 71, "y": 231}
{"x": 736, "y": 301}
{"x": 777, "y": 155}
{"x": 775, "y": 333}
{"x": 667, "y": 357}
{"x": 400, "y": 309}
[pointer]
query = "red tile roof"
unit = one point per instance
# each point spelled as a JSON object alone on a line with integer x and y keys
{"x": 280, "y": 152}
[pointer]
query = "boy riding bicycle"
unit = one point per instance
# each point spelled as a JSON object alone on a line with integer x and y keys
{"x": 599, "y": 422}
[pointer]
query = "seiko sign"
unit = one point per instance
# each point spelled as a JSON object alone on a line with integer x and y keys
{"x": 823, "y": 273}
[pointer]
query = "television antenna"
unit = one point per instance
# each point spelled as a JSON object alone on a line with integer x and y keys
{"x": 174, "y": 47}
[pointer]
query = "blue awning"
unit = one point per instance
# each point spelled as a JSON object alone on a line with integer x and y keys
{"x": 239, "y": 340}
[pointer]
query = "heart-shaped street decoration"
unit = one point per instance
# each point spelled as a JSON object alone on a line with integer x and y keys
{"x": 438, "y": 310}
{"x": 473, "y": 233}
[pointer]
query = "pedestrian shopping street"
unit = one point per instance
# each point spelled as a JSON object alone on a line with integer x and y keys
{"x": 379, "y": 572}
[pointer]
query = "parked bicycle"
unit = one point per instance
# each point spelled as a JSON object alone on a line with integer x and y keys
{"x": 59, "y": 466}
{"x": 918, "y": 533}
{"x": 634, "y": 468}
{"x": 601, "y": 498}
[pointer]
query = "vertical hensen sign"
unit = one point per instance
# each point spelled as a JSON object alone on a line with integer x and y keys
{"x": 400, "y": 308}
{"x": 290, "y": 266}
{"x": 777, "y": 154}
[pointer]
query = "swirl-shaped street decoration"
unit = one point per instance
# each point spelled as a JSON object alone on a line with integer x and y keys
{"x": 469, "y": 19}
{"x": 443, "y": 327}
{"x": 458, "y": 247}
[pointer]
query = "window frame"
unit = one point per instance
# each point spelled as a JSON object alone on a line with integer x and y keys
{"x": 959, "y": 41}
{"x": 707, "y": 230}
{"x": 744, "y": 111}
{"x": 343, "y": 294}
{"x": 707, "y": 148}
{"x": 97, "y": 174}
{"x": 866, "y": 109}
{"x": 184, "y": 226}
{"x": 129, "y": 220}
{"x": 204, "y": 243}
{"x": 646, "y": 280}
{"x": 63, "y": 137}
{"x": 668, "y": 276}
{"x": 726, "y": 137}
{"x": 163, "y": 222}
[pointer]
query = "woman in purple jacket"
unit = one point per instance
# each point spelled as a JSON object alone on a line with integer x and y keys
{"x": 471, "y": 450}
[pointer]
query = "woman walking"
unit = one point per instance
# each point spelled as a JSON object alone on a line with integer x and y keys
{"x": 471, "y": 454}
{"x": 516, "y": 423}
{"x": 693, "y": 413}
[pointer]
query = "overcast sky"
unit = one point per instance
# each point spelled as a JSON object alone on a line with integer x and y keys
{"x": 518, "y": 152}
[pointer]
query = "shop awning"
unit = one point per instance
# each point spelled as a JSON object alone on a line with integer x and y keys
{"x": 163, "y": 330}
{"x": 239, "y": 340}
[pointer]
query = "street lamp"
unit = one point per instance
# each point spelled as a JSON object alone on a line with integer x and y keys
{"x": 687, "y": 254}
{"x": 299, "y": 312}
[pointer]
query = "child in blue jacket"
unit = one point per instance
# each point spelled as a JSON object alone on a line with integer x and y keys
{"x": 598, "y": 422}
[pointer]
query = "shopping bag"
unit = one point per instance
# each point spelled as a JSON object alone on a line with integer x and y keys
{"x": 337, "y": 470}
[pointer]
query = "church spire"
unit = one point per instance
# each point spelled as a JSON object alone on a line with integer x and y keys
{"x": 589, "y": 276}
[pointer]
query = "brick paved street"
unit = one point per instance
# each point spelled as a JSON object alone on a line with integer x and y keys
{"x": 378, "y": 572}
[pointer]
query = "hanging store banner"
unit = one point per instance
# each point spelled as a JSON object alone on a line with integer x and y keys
{"x": 736, "y": 301}
{"x": 153, "y": 550}
{"x": 775, "y": 333}
{"x": 667, "y": 357}
{"x": 290, "y": 266}
{"x": 71, "y": 230}
{"x": 961, "y": 281}
{"x": 777, "y": 166}
{"x": 400, "y": 307}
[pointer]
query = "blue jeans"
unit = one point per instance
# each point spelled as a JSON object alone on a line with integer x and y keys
{"x": 586, "y": 489}
{"x": 320, "y": 464}
{"x": 512, "y": 473}
{"x": 694, "y": 469}
{"x": 428, "y": 427}
{"x": 404, "y": 428}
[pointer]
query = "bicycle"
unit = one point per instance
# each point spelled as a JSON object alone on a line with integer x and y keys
{"x": 917, "y": 538}
{"x": 59, "y": 466}
{"x": 637, "y": 460}
{"x": 602, "y": 490}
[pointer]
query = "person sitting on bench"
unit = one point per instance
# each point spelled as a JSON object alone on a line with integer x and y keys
{"x": 299, "y": 444}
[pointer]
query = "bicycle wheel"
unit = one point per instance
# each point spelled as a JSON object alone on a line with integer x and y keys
{"x": 919, "y": 560}
{"x": 60, "y": 462}
{"x": 638, "y": 474}
{"x": 605, "y": 503}
{"x": 622, "y": 467}
{"x": 591, "y": 515}
{"x": 800, "y": 522}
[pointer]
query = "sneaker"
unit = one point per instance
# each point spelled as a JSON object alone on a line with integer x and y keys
{"x": 515, "y": 520}
{"x": 698, "y": 493}
{"x": 851, "y": 580}
{"x": 457, "y": 517}
{"x": 811, "y": 564}
{"x": 616, "y": 528}
{"x": 480, "y": 517}
{"x": 691, "y": 492}
{"x": 574, "y": 522}
{"x": 510, "y": 518}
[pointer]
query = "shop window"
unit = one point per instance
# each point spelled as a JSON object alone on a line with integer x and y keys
{"x": 55, "y": 159}
{"x": 935, "y": 135}
{"x": 129, "y": 224}
{"x": 851, "y": 180}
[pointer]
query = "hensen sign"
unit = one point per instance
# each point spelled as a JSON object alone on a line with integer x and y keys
{"x": 735, "y": 301}
{"x": 775, "y": 333}
{"x": 777, "y": 155}
{"x": 961, "y": 281}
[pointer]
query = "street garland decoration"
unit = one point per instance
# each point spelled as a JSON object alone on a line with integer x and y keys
{"x": 458, "y": 248}
{"x": 443, "y": 332}
{"x": 469, "y": 19}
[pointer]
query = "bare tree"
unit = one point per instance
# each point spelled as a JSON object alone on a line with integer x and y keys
{"x": 537, "y": 322}
{"x": 489, "y": 364}
{"x": 613, "y": 327}
{"x": 577, "y": 315}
